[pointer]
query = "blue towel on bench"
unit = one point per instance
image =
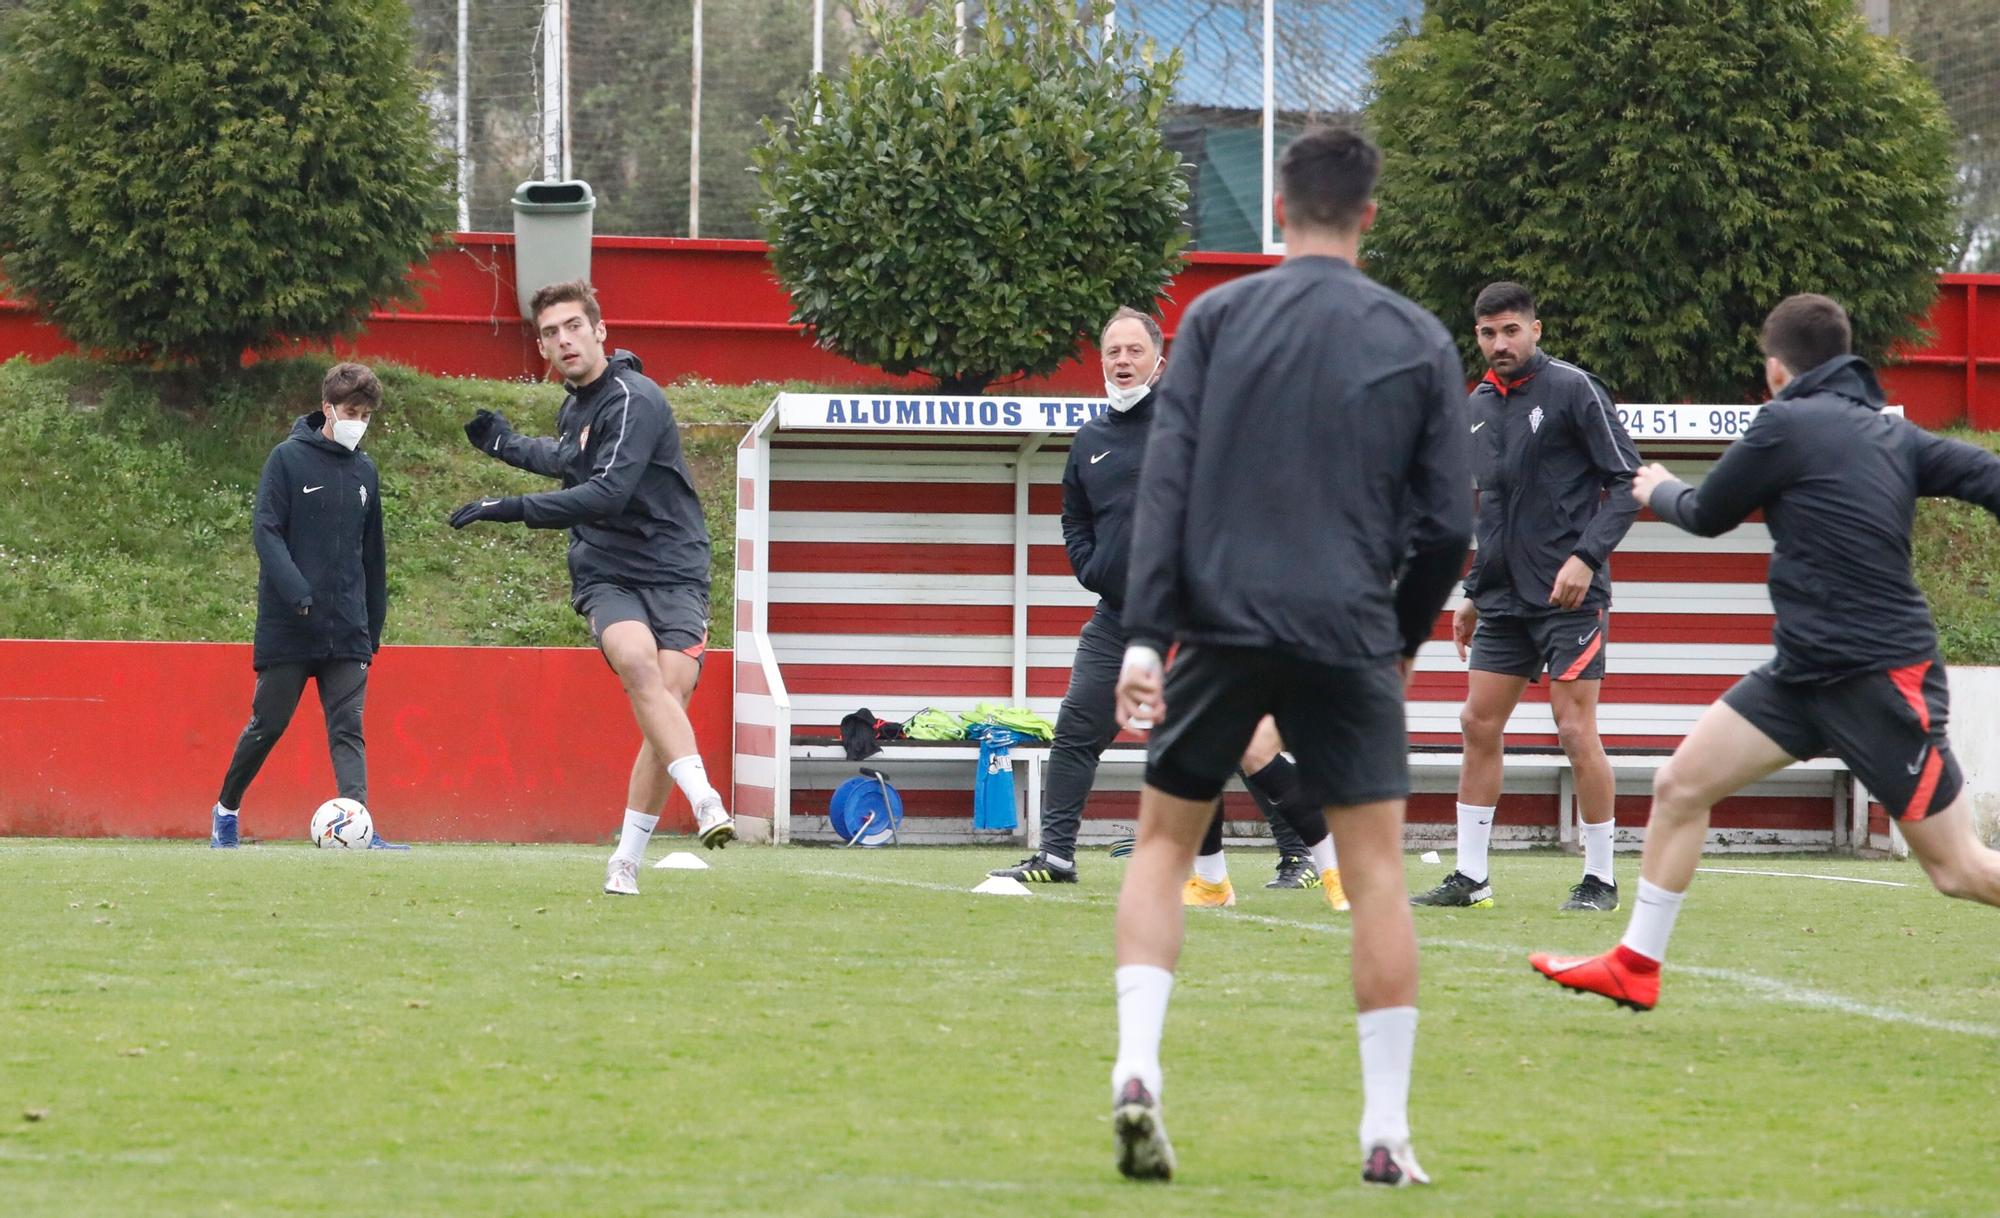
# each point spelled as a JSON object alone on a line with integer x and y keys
{"x": 993, "y": 785}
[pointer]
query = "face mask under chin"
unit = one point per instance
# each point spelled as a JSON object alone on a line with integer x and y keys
{"x": 1123, "y": 400}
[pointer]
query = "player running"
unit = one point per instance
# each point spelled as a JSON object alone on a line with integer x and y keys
{"x": 1554, "y": 468}
{"x": 1856, "y": 673}
{"x": 1326, "y": 412}
{"x": 638, "y": 552}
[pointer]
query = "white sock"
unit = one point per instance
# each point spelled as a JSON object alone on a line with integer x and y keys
{"x": 1652, "y": 920}
{"x": 222, "y": 811}
{"x": 637, "y": 833}
{"x": 1143, "y": 990}
{"x": 1058, "y": 864}
{"x": 692, "y": 778}
{"x": 1211, "y": 868}
{"x": 1322, "y": 854}
{"x": 1388, "y": 1041}
{"x": 1597, "y": 850}
{"x": 1475, "y": 831}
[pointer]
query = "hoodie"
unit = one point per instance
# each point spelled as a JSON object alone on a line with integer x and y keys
{"x": 1838, "y": 481}
{"x": 628, "y": 500}
{"x": 317, "y": 525}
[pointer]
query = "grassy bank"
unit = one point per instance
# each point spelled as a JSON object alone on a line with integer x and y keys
{"x": 128, "y": 502}
{"x": 127, "y": 508}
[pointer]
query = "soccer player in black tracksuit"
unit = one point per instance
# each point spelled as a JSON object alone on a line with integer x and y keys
{"x": 1554, "y": 468}
{"x": 1309, "y": 446}
{"x": 1099, "y": 485}
{"x": 1857, "y": 672}
{"x": 322, "y": 591}
{"x": 638, "y": 553}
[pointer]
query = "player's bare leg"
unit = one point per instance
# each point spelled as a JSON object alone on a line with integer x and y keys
{"x": 1722, "y": 755}
{"x": 1574, "y": 705}
{"x": 1952, "y": 855}
{"x": 1383, "y": 962}
{"x": 1490, "y": 697}
{"x": 658, "y": 684}
{"x": 1149, "y": 934}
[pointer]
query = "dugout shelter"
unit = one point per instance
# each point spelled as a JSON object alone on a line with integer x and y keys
{"x": 902, "y": 551}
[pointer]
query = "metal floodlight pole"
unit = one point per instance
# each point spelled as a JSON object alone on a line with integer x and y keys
{"x": 567, "y": 164}
{"x": 1270, "y": 115}
{"x": 464, "y": 148}
{"x": 958, "y": 19}
{"x": 552, "y": 90}
{"x": 694, "y": 134}
{"x": 819, "y": 37}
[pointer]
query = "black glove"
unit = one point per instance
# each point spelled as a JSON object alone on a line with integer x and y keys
{"x": 506, "y": 511}
{"x": 486, "y": 429}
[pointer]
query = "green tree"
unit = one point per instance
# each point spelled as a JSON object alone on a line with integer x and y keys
{"x": 1661, "y": 174}
{"x": 973, "y": 216}
{"x": 186, "y": 179}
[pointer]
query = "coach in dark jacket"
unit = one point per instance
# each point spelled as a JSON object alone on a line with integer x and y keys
{"x": 322, "y": 590}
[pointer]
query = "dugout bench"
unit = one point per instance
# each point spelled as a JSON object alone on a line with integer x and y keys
{"x": 898, "y": 552}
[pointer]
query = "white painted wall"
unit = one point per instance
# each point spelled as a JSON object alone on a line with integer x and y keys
{"x": 1975, "y": 737}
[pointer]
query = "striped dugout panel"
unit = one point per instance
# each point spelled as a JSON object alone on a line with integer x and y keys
{"x": 888, "y": 581}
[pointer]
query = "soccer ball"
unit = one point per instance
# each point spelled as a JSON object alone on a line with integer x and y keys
{"x": 342, "y": 824}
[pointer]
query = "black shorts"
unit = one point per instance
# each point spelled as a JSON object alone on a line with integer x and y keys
{"x": 1888, "y": 727}
{"x": 1343, "y": 726}
{"x": 1570, "y": 646}
{"x": 677, "y": 616}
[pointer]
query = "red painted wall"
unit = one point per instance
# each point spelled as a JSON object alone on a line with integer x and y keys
{"x": 712, "y": 309}
{"x": 464, "y": 743}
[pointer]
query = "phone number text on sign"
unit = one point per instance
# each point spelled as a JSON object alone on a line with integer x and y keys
{"x": 1686, "y": 422}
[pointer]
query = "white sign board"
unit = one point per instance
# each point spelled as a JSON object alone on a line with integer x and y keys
{"x": 1027, "y": 415}
{"x": 1693, "y": 422}
{"x": 880, "y": 412}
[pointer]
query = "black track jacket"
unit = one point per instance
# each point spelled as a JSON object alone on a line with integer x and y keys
{"x": 628, "y": 500}
{"x": 1100, "y": 486}
{"x": 1555, "y": 469}
{"x": 318, "y": 531}
{"x": 1308, "y": 445}
{"x": 1838, "y": 481}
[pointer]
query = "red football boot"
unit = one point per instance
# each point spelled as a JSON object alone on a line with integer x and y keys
{"x": 1621, "y": 974}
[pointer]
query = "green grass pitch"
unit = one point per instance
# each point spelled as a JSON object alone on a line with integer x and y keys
{"x": 477, "y": 1030}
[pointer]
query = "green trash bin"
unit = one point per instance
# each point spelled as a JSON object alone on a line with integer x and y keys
{"x": 551, "y": 236}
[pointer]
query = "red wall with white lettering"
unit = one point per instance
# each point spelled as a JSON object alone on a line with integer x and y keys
{"x": 519, "y": 744}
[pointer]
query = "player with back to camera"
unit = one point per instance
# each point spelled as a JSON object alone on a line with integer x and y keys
{"x": 1327, "y": 413}
{"x": 1857, "y": 671}
{"x": 1554, "y": 470}
{"x": 638, "y": 552}
{"x": 1100, "y": 483}
{"x": 322, "y": 592}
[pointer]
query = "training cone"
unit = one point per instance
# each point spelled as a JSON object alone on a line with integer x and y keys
{"x": 1002, "y": 886}
{"x": 680, "y": 860}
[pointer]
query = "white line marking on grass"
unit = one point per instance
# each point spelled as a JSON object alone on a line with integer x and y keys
{"x": 1770, "y": 989}
{"x": 1801, "y": 875}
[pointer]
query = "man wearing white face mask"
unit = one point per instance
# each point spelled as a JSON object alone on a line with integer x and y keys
{"x": 322, "y": 591}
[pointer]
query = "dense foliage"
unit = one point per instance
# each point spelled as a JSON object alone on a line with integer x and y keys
{"x": 185, "y": 179}
{"x": 976, "y": 215}
{"x": 1660, "y": 175}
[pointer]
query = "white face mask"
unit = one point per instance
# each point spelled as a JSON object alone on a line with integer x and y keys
{"x": 348, "y": 432}
{"x": 1123, "y": 400}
